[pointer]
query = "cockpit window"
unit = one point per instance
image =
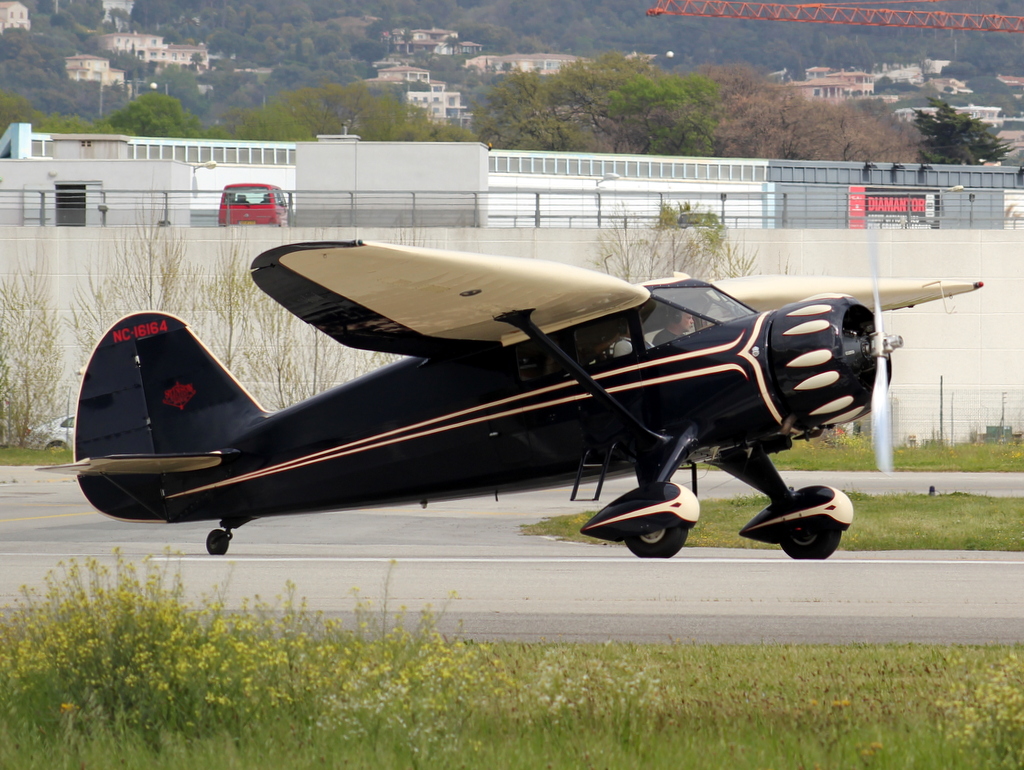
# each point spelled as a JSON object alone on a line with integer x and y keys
{"x": 677, "y": 311}
{"x": 704, "y": 301}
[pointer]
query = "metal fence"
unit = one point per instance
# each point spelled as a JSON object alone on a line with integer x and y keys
{"x": 89, "y": 205}
{"x": 957, "y": 415}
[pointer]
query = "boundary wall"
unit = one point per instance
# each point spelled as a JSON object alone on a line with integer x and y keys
{"x": 971, "y": 344}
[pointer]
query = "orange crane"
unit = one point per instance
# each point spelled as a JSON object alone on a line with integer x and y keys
{"x": 820, "y": 13}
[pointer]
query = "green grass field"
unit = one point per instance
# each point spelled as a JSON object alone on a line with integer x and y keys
{"x": 15, "y": 456}
{"x": 882, "y": 523}
{"x": 108, "y": 669}
{"x": 854, "y": 453}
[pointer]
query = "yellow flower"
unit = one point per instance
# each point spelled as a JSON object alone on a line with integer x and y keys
{"x": 67, "y": 708}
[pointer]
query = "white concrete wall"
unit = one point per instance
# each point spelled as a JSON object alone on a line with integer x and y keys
{"x": 973, "y": 342}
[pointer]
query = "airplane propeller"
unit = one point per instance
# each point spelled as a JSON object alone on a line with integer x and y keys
{"x": 881, "y": 347}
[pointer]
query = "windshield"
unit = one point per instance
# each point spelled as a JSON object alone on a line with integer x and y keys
{"x": 704, "y": 301}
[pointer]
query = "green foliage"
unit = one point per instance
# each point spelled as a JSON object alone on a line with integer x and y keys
{"x": 952, "y": 137}
{"x": 987, "y": 713}
{"x": 853, "y": 452}
{"x": 155, "y": 114}
{"x": 609, "y": 104}
{"x": 334, "y": 109}
{"x": 666, "y": 114}
{"x": 519, "y": 114}
{"x": 420, "y": 701}
{"x": 16, "y": 109}
{"x": 120, "y": 650}
{"x": 14, "y": 456}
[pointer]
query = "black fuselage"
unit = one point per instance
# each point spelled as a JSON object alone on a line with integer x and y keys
{"x": 421, "y": 430}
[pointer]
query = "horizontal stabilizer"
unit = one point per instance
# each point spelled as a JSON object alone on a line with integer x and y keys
{"x": 125, "y": 465}
{"x": 770, "y": 292}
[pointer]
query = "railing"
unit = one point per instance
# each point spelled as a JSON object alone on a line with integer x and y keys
{"x": 833, "y": 208}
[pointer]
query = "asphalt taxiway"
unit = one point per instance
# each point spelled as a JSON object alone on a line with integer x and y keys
{"x": 468, "y": 560}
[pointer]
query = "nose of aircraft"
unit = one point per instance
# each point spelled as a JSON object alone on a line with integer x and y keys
{"x": 822, "y": 360}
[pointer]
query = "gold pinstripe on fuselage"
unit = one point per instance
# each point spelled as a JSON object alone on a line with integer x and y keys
{"x": 483, "y": 412}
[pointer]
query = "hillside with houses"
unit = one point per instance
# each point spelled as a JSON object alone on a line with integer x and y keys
{"x": 89, "y": 57}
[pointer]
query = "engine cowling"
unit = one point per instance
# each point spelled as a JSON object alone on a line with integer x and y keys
{"x": 821, "y": 360}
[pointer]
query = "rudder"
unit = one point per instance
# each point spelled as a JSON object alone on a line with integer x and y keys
{"x": 152, "y": 388}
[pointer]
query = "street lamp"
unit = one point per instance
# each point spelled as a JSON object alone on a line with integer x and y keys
{"x": 210, "y": 164}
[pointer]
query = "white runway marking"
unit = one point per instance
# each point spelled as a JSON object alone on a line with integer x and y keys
{"x": 570, "y": 560}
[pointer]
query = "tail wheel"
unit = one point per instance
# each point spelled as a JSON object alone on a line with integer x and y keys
{"x": 663, "y": 544}
{"x": 217, "y": 542}
{"x": 803, "y": 544}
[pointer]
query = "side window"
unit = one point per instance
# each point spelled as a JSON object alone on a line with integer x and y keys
{"x": 534, "y": 362}
{"x": 663, "y": 323}
{"x": 603, "y": 340}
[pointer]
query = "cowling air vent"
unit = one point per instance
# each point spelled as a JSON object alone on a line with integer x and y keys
{"x": 821, "y": 359}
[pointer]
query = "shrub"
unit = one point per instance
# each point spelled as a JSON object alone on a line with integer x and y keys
{"x": 120, "y": 651}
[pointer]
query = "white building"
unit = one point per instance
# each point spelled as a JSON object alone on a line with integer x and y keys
{"x": 85, "y": 67}
{"x": 151, "y": 48}
{"x": 544, "y": 63}
{"x": 14, "y": 15}
{"x": 441, "y": 104}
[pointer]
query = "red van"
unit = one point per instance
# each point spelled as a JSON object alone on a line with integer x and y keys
{"x": 253, "y": 204}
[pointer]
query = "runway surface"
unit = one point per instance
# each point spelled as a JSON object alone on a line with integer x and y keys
{"x": 468, "y": 559}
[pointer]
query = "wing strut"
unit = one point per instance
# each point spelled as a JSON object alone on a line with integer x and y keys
{"x": 646, "y": 439}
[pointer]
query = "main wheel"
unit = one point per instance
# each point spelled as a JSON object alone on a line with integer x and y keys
{"x": 663, "y": 544}
{"x": 801, "y": 544}
{"x": 217, "y": 542}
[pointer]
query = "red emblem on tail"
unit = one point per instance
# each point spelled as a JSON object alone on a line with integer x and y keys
{"x": 179, "y": 395}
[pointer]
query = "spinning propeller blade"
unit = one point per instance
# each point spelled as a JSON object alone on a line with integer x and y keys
{"x": 881, "y": 347}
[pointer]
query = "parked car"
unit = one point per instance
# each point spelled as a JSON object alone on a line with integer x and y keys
{"x": 58, "y": 433}
{"x": 253, "y": 204}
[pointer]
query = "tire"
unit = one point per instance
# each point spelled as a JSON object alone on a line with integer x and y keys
{"x": 801, "y": 544}
{"x": 663, "y": 544}
{"x": 217, "y": 542}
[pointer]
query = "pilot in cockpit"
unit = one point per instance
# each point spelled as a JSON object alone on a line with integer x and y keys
{"x": 680, "y": 323}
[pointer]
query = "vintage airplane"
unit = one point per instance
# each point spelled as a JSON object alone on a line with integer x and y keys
{"x": 517, "y": 374}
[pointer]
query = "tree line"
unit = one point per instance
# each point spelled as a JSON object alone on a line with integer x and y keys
{"x": 614, "y": 103}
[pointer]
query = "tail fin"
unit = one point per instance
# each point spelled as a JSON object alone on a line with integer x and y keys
{"x": 152, "y": 388}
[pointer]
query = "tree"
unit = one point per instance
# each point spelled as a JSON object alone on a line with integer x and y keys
{"x": 762, "y": 119}
{"x": 665, "y": 115}
{"x": 32, "y": 366}
{"x": 957, "y": 138}
{"x": 612, "y": 104}
{"x": 519, "y": 114}
{"x": 155, "y": 115}
{"x": 683, "y": 239}
{"x": 16, "y": 109}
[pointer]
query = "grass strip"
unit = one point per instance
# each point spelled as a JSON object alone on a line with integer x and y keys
{"x": 897, "y": 522}
{"x": 111, "y": 668}
{"x": 855, "y": 453}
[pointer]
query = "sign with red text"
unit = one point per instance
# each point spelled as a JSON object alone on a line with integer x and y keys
{"x": 911, "y": 208}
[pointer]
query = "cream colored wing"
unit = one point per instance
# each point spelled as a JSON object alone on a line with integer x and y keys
{"x": 412, "y": 300}
{"x": 766, "y": 292}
